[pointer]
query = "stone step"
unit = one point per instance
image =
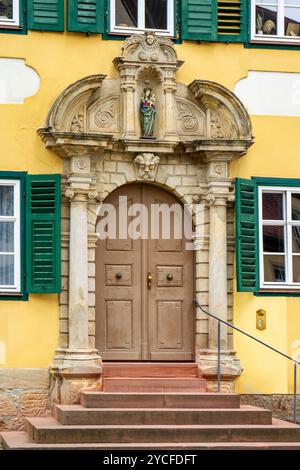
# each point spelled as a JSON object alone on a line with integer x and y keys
{"x": 48, "y": 430}
{"x": 19, "y": 440}
{"x": 91, "y": 399}
{"x": 78, "y": 415}
{"x": 153, "y": 384}
{"x": 150, "y": 369}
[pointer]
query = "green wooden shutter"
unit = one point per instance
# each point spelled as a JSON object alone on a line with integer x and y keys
{"x": 232, "y": 20}
{"x": 86, "y": 16}
{"x": 43, "y": 233}
{"x": 199, "y": 20}
{"x": 46, "y": 15}
{"x": 246, "y": 236}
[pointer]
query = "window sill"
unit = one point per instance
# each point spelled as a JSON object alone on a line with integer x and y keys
{"x": 14, "y": 27}
{"x": 15, "y": 296}
{"x": 276, "y": 42}
{"x": 278, "y": 293}
{"x": 140, "y": 31}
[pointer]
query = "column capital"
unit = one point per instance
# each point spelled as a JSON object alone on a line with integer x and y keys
{"x": 218, "y": 195}
{"x": 83, "y": 194}
{"x": 169, "y": 87}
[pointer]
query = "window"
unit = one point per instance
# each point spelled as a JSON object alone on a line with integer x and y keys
{"x": 276, "y": 21}
{"x": 268, "y": 235}
{"x": 9, "y": 13}
{"x": 131, "y": 16}
{"x": 29, "y": 234}
{"x": 9, "y": 236}
{"x": 279, "y": 234}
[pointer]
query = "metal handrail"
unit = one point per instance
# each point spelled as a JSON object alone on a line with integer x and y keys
{"x": 220, "y": 320}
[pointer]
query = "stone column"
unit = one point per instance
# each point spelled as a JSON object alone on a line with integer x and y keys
{"x": 170, "y": 112}
{"x": 78, "y": 366}
{"x": 217, "y": 196}
{"x": 78, "y": 273}
{"x": 217, "y": 284}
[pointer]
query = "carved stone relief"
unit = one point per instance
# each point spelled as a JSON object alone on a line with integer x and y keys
{"x": 221, "y": 125}
{"x": 149, "y": 48}
{"x": 80, "y": 165}
{"x": 77, "y": 123}
{"x": 104, "y": 115}
{"x": 190, "y": 119}
{"x": 146, "y": 165}
{"x": 110, "y": 109}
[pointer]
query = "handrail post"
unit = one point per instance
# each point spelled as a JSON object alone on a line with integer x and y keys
{"x": 219, "y": 356}
{"x": 295, "y": 393}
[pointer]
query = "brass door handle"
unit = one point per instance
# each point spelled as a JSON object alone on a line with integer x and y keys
{"x": 149, "y": 280}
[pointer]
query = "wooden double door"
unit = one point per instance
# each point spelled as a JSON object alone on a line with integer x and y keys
{"x": 145, "y": 285}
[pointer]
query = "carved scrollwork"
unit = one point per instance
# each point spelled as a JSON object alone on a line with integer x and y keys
{"x": 77, "y": 122}
{"x": 189, "y": 118}
{"x": 105, "y": 114}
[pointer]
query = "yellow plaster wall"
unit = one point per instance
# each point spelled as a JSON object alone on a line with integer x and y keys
{"x": 29, "y": 330}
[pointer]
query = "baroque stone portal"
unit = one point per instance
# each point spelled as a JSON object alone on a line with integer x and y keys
{"x": 95, "y": 125}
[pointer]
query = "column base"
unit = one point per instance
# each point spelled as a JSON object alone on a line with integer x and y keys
{"x": 74, "y": 370}
{"x": 68, "y": 357}
{"x": 230, "y": 369}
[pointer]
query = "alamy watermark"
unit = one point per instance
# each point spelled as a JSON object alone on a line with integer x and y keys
{"x": 152, "y": 222}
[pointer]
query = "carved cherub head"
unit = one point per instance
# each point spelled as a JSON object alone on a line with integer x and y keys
{"x": 150, "y": 37}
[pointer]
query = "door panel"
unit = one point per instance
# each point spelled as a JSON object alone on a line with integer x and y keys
{"x": 118, "y": 291}
{"x": 171, "y": 329}
{"x": 134, "y": 320}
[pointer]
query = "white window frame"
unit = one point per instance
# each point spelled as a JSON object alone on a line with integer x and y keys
{"x": 15, "y": 20}
{"x": 287, "y": 223}
{"x": 278, "y": 38}
{"x": 141, "y": 20}
{"x": 17, "y": 250}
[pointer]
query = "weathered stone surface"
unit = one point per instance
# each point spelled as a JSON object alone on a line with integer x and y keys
{"x": 226, "y": 387}
{"x": 11, "y": 424}
{"x": 262, "y": 401}
{"x": 283, "y": 407}
{"x": 33, "y": 403}
{"x": 8, "y": 405}
{"x": 280, "y": 404}
{"x": 24, "y": 378}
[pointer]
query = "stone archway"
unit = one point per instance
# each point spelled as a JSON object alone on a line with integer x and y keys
{"x": 94, "y": 125}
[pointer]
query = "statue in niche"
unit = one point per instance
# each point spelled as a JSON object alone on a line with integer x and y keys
{"x": 148, "y": 112}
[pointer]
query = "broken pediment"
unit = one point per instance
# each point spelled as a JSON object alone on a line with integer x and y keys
{"x": 145, "y": 105}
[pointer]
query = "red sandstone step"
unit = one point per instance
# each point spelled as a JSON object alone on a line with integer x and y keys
{"x": 159, "y": 400}
{"x": 48, "y": 430}
{"x": 78, "y": 415}
{"x": 19, "y": 440}
{"x": 150, "y": 369}
{"x": 153, "y": 384}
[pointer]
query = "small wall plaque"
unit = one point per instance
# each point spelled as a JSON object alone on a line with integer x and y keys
{"x": 261, "y": 320}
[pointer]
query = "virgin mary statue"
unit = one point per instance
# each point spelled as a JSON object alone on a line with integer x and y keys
{"x": 148, "y": 112}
